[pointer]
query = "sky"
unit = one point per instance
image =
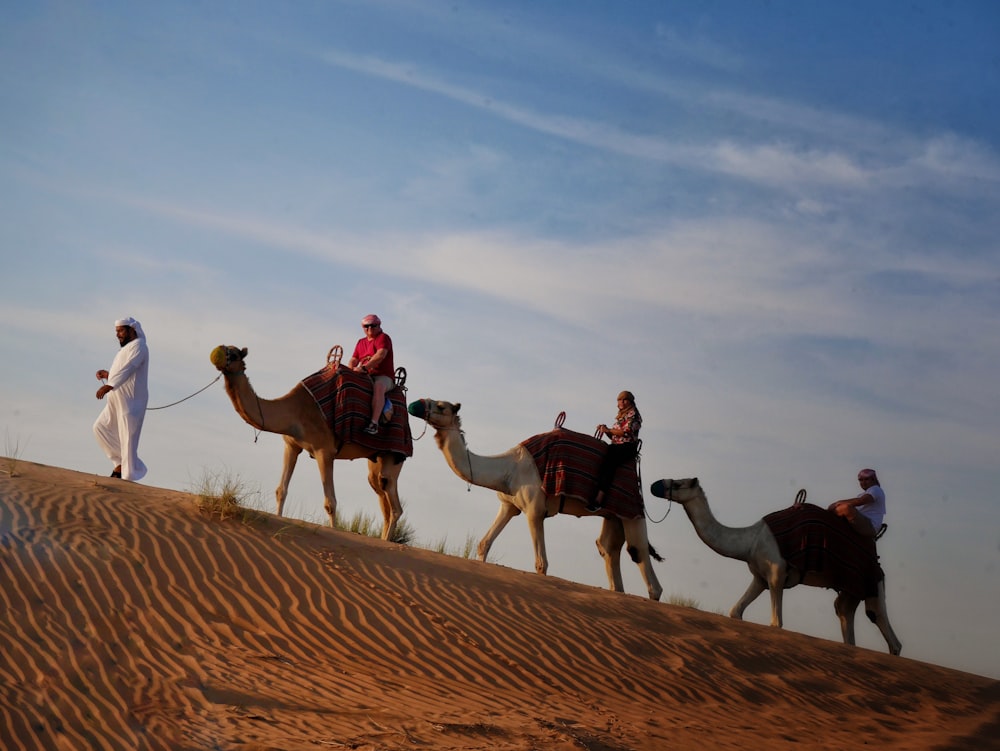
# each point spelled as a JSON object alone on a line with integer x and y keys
{"x": 776, "y": 223}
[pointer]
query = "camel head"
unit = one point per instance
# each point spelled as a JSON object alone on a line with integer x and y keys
{"x": 440, "y": 415}
{"x": 229, "y": 359}
{"x": 681, "y": 491}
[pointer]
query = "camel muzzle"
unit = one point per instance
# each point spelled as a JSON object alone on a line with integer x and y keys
{"x": 418, "y": 409}
{"x": 665, "y": 488}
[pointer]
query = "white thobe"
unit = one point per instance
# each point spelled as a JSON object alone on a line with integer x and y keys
{"x": 118, "y": 427}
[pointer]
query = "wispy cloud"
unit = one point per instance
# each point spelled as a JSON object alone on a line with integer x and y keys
{"x": 767, "y": 160}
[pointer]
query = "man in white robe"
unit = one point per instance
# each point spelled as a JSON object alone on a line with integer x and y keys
{"x": 118, "y": 427}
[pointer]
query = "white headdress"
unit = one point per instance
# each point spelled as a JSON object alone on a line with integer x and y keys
{"x": 130, "y": 321}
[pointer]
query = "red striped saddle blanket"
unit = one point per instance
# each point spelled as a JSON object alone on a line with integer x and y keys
{"x": 345, "y": 398}
{"x": 815, "y": 539}
{"x": 568, "y": 463}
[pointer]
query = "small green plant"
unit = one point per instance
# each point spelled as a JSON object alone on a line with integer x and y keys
{"x": 368, "y": 525}
{"x": 441, "y": 546}
{"x": 466, "y": 550}
{"x": 12, "y": 452}
{"x": 361, "y": 524}
{"x": 226, "y": 496}
{"x": 683, "y": 601}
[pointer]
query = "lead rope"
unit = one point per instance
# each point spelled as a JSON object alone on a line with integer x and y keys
{"x": 468, "y": 455}
{"x": 256, "y": 433}
{"x": 638, "y": 472}
{"x": 670, "y": 505}
{"x": 173, "y": 404}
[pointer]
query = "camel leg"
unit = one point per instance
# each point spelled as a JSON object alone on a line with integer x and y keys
{"x": 757, "y": 586}
{"x": 534, "y": 506}
{"x": 609, "y": 545}
{"x": 845, "y": 607}
{"x": 536, "y": 525}
{"x": 637, "y": 538}
{"x": 876, "y": 609}
{"x": 292, "y": 451}
{"x": 325, "y": 464}
{"x": 776, "y": 584}
{"x": 383, "y": 476}
{"x": 507, "y": 512}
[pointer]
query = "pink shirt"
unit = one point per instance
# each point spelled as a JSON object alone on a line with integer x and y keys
{"x": 366, "y": 347}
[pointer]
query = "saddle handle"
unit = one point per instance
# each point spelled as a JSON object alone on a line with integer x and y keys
{"x": 334, "y": 356}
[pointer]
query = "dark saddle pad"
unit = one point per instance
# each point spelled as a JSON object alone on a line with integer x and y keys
{"x": 814, "y": 539}
{"x": 345, "y": 399}
{"x": 568, "y": 463}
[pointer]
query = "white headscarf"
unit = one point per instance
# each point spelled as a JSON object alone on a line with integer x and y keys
{"x": 130, "y": 321}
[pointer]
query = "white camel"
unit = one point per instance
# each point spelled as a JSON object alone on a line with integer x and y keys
{"x": 298, "y": 418}
{"x": 757, "y": 546}
{"x": 514, "y": 476}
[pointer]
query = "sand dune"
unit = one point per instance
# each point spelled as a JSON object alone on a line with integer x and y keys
{"x": 129, "y": 619}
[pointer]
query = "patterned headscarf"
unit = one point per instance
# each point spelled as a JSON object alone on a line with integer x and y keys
{"x": 630, "y": 398}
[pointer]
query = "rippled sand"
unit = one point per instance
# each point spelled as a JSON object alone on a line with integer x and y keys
{"x": 129, "y": 619}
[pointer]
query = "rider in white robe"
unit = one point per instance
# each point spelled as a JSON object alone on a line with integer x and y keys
{"x": 118, "y": 427}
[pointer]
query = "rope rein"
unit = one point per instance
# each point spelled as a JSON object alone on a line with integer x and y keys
{"x": 670, "y": 504}
{"x": 173, "y": 404}
{"x": 638, "y": 471}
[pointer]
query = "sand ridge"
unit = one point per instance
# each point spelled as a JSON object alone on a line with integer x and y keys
{"x": 132, "y": 620}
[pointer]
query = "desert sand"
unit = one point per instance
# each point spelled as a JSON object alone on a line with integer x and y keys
{"x": 131, "y": 619}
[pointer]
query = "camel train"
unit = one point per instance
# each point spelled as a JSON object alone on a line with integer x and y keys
{"x": 299, "y": 418}
{"x": 758, "y": 546}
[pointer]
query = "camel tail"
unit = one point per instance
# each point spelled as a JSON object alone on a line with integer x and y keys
{"x": 634, "y": 554}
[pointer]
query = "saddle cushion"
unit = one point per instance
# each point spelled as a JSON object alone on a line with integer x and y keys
{"x": 814, "y": 539}
{"x": 345, "y": 399}
{"x": 568, "y": 463}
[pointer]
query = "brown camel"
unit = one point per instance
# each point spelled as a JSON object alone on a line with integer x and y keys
{"x": 297, "y": 417}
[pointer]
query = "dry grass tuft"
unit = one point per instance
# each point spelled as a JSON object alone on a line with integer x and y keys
{"x": 226, "y": 496}
{"x": 12, "y": 453}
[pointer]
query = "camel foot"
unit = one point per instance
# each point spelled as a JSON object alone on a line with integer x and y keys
{"x": 117, "y": 472}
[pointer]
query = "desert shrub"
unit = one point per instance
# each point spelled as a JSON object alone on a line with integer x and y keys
{"x": 683, "y": 601}
{"x": 371, "y": 526}
{"x": 11, "y": 454}
{"x": 225, "y": 495}
{"x": 466, "y": 550}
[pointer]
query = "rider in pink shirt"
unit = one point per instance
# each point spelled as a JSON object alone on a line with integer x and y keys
{"x": 373, "y": 355}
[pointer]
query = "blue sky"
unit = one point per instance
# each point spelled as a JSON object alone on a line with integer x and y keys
{"x": 776, "y": 223}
